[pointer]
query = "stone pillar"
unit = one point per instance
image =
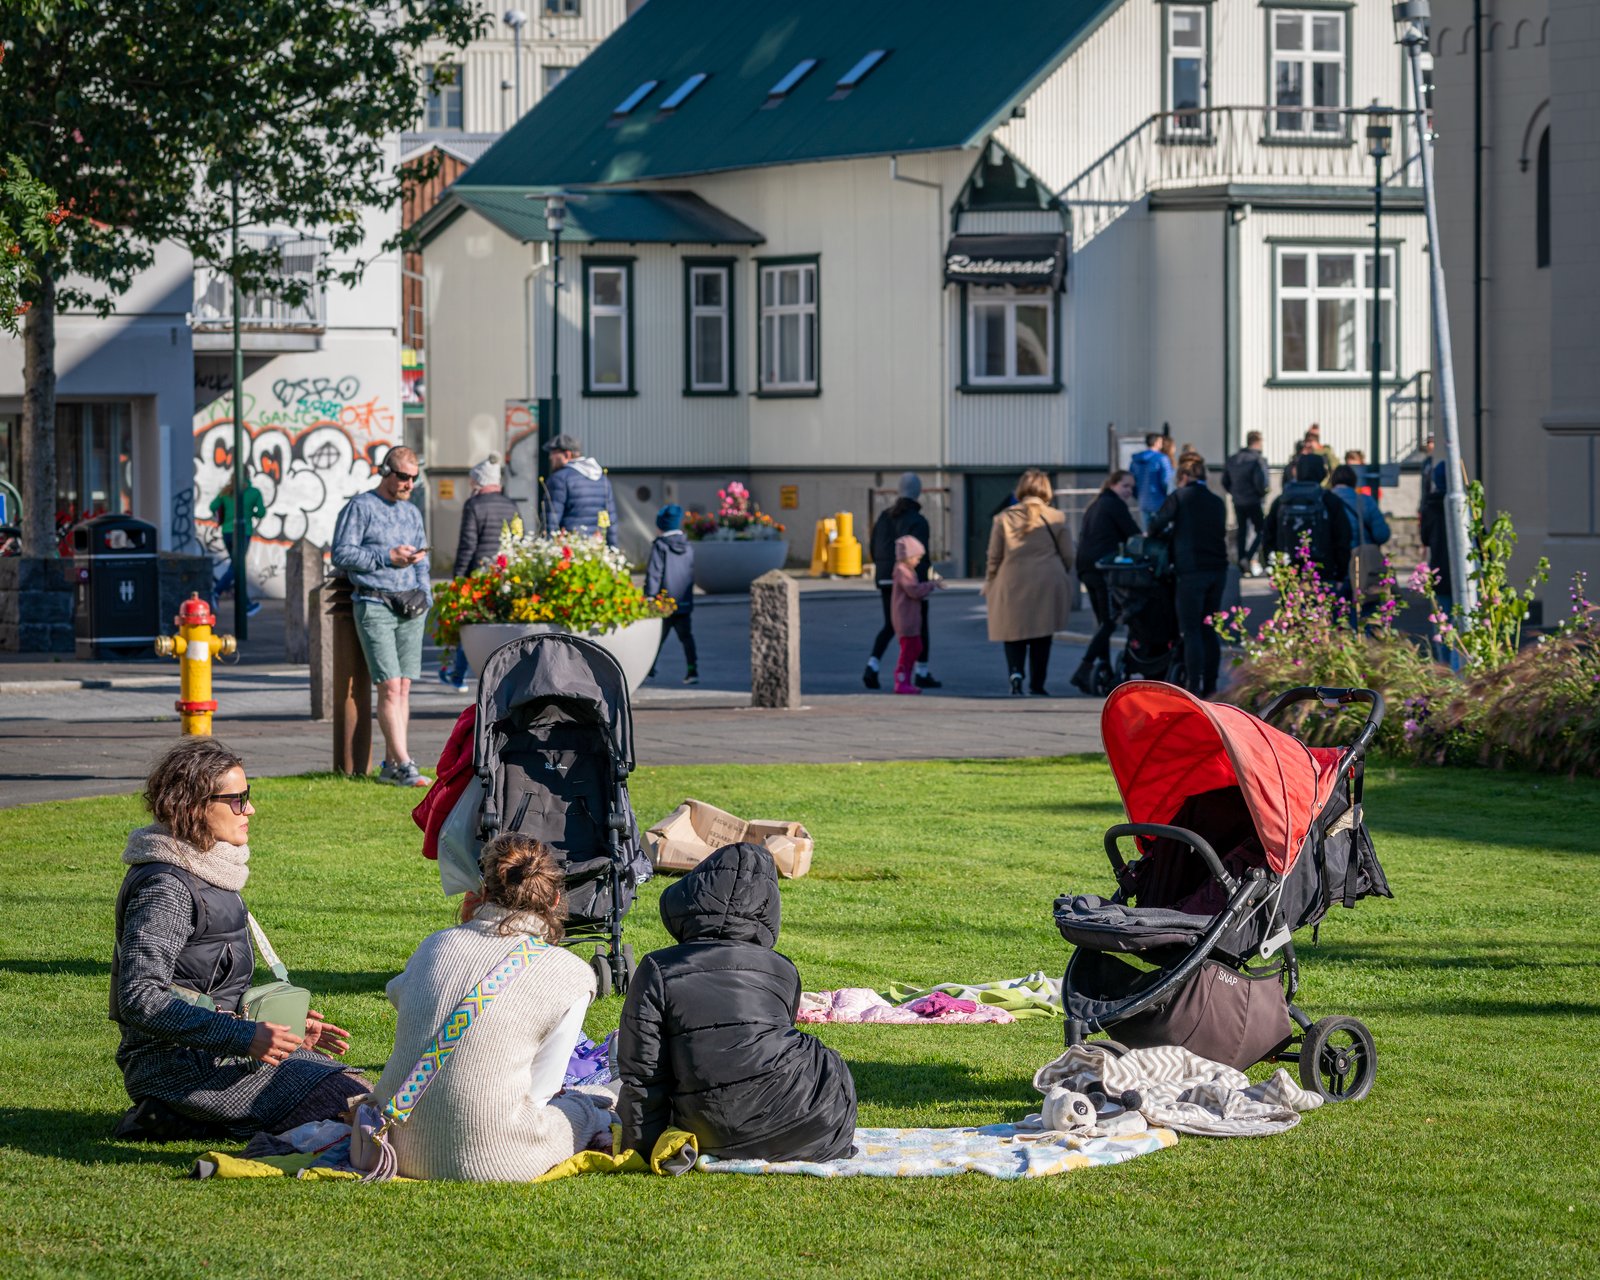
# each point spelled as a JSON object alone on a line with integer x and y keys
{"x": 775, "y": 641}
{"x": 36, "y": 602}
{"x": 351, "y": 691}
{"x": 319, "y": 652}
{"x": 302, "y": 572}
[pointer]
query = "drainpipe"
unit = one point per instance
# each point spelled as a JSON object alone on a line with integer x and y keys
{"x": 944, "y": 323}
{"x": 1477, "y": 238}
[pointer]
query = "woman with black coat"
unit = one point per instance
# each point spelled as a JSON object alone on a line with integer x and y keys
{"x": 708, "y": 1041}
{"x": 1107, "y": 524}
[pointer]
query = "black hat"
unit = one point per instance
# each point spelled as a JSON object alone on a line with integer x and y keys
{"x": 564, "y": 443}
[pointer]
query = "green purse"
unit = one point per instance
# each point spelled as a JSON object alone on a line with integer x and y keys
{"x": 281, "y": 1001}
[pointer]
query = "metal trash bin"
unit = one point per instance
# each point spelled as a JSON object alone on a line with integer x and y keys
{"x": 118, "y": 596}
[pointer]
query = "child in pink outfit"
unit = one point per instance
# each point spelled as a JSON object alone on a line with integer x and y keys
{"x": 905, "y": 608}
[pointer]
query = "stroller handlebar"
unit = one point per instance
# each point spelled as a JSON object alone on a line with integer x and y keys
{"x": 1330, "y": 697}
{"x": 1181, "y": 834}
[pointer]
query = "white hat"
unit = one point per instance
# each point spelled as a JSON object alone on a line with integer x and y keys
{"x": 486, "y": 472}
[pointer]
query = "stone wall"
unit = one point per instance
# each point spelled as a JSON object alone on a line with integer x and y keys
{"x": 35, "y": 605}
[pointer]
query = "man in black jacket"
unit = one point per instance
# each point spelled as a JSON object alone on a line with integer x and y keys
{"x": 1306, "y": 507}
{"x": 483, "y": 515}
{"x": 1197, "y": 522}
{"x": 903, "y": 519}
{"x": 708, "y": 1041}
{"x": 1245, "y": 479}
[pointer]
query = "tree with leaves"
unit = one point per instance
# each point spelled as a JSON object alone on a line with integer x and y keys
{"x": 145, "y": 118}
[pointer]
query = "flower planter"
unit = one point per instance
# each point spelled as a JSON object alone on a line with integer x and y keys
{"x": 726, "y": 567}
{"x": 633, "y": 646}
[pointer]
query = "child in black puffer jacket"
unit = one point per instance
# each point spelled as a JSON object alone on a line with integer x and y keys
{"x": 708, "y": 1041}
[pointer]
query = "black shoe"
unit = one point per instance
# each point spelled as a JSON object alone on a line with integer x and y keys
{"x": 1081, "y": 679}
{"x": 1038, "y": 691}
{"x": 152, "y": 1121}
{"x": 692, "y": 676}
{"x": 1016, "y": 684}
{"x": 869, "y": 677}
{"x": 927, "y": 682}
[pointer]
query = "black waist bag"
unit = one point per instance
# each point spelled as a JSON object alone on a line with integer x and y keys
{"x": 407, "y": 604}
{"x": 1219, "y": 1013}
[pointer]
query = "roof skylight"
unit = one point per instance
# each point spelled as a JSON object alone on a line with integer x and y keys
{"x": 636, "y": 97}
{"x": 797, "y": 73}
{"x": 857, "y": 73}
{"x": 675, "y": 100}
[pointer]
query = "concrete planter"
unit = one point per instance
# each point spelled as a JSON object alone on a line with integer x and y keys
{"x": 633, "y": 646}
{"x": 729, "y": 567}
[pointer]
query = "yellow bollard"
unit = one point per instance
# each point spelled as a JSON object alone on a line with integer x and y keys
{"x": 844, "y": 555}
{"x": 194, "y": 646}
{"x": 827, "y": 530}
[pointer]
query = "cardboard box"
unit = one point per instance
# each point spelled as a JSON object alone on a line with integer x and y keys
{"x": 695, "y": 830}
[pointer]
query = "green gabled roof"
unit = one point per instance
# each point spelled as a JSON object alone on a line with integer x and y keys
{"x": 613, "y": 217}
{"x": 953, "y": 72}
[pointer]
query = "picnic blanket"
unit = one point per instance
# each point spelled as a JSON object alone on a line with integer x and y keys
{"x": 1003, "y": 1151}
{"x": 1183, "y": 1091}
{"x": 1034, "y": 995}
{"x": 675, "y": 1153}
{"x": 861, "y": 1004}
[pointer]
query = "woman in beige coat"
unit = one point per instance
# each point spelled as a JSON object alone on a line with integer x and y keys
{"x": 1029, "y": 581}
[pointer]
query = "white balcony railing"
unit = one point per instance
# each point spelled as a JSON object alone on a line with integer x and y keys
{"x": 300, "y": 261}
{"x": 1308, "y": 146}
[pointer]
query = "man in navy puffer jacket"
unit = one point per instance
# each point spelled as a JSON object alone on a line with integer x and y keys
{"x": 578, "y": 497}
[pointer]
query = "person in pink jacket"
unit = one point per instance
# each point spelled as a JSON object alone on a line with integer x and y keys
{"x": 905, "y": 608}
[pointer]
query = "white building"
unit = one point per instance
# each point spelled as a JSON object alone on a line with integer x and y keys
{"x": 832, "y": 240}
{"x": 1537, "y": 397}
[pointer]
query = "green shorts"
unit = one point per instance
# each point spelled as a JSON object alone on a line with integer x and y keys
{"x": 392, "y": 644}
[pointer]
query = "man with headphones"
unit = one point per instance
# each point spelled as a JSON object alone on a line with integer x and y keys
{"x": 380, "y": 545}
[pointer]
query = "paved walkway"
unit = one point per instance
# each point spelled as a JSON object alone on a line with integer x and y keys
{"x": 73, "y": 729}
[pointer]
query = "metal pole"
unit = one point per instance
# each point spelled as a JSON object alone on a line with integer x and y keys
{"x": 1463, "y": 590}
{"x": 1376, "y": 457}
{"x": 516, "y": 47}
{"x": 241, "y": 547}
{"x": 555, "y": 339}
{"x": 1477, "y": 238}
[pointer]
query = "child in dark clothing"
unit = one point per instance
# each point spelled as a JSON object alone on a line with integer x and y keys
{"x": 905, "y": 608}
{"x": 708, "y": 1041}
{"x": 671, "y": 569}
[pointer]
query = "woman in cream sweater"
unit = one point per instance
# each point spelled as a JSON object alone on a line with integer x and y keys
{"x": 496, "y": 1112}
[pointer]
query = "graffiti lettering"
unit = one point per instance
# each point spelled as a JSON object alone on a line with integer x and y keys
{"x": 182, "y": 519}
{"x": 292, "y": 390}
{"x": 368, "y": 417}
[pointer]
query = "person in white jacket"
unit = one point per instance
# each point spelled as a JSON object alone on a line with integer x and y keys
{"x": 496, "y": 1111}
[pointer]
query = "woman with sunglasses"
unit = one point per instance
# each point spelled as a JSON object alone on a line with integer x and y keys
{"x": 182, "y": 930}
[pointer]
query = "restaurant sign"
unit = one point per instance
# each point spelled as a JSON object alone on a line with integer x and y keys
{"x": 1033, "y": 260}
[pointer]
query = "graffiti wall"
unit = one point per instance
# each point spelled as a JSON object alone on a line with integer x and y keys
{"x": 316, "y": 431}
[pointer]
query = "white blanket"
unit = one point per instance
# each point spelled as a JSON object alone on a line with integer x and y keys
{"x": 1182, "y": 1091}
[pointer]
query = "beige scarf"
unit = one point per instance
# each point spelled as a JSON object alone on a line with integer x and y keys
{"x": 225, "y": 865}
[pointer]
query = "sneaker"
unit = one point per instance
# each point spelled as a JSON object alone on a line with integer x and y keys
{"x": 907, "y": 688}
{"x": 253, "y": 608}
{"x": 926, "y": 681}
{"x": 1038, "y": 691}
{"x": 1256, "y": 571}
{"x": 385, "y": 772}
{"x": 691, "y": 676}
{"x": 1082, "y": 681}
{"x": 1016, "y": 684}
{"x": 408, "y": 775}
{"x": 869, "y": 677}
{"x": 448, "y": 679}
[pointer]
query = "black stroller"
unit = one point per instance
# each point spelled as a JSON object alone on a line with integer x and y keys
{"x": 1140, "y": 579}
{"x": 553, "y": 746}
{"x": 1246, "y": 835}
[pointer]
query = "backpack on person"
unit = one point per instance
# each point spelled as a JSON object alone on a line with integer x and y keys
{"x": 1302, "y": 510}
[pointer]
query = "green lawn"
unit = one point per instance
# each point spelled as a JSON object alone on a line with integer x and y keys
{"x": 1475, "y": 1154}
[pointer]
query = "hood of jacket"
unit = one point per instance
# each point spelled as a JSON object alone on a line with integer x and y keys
{"x": 730, "y": 897}
{"x": 905, "y": 547}
{"x": 675, "y": 541}
{"x": 588, "y": 468}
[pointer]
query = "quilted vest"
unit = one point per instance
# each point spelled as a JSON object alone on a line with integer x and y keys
{"x": 218, "y": 958}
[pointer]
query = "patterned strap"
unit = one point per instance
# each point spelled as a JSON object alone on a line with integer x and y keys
{"x": 449, "y": 1037}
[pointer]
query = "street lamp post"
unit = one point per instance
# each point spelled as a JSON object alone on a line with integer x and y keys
{"x": 516, "y": 20}
{"x": 1378, "y": 134}
{"x": 241, "y": 548}
{"x": 555, "y": 218}
{"x": 1411, "y": 23}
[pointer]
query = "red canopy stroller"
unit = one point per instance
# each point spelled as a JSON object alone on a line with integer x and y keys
{"x": 1245, "y": 835}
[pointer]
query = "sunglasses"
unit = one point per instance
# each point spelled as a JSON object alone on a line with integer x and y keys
{"x": 236, "y": 800}
{"x": 406, "y": 477}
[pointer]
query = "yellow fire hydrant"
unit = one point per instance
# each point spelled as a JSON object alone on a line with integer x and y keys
{"x": 194, "y": 646}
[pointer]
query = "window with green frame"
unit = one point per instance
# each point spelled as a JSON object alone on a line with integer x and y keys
{"x": 708, "y": 326}
{"x": 607, "y": 326}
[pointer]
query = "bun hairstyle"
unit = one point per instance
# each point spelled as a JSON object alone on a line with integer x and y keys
{"x": 520, "y": 875}
{"x": 1193, "y": 466}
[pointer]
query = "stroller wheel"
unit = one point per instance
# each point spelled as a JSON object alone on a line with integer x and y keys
{"x": 1101, "y": 679}
{"x": 601, "y": 964}
{"x": 627, "y": 963}
{"x": 1338, "y": 1059}
{"x": 1114, "y": 1047}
